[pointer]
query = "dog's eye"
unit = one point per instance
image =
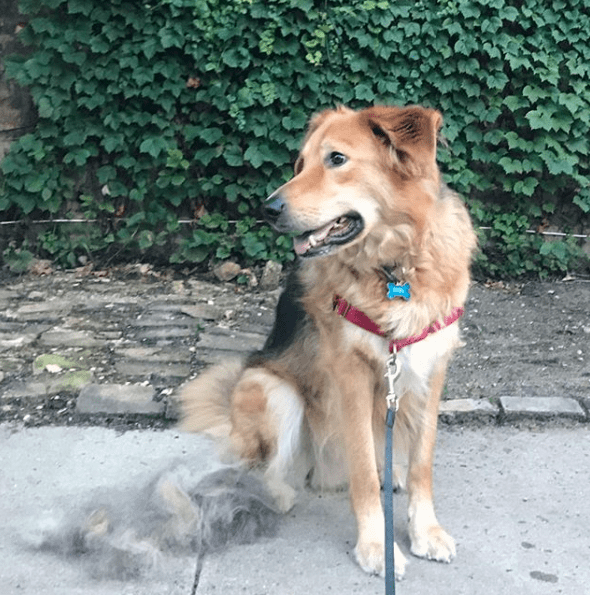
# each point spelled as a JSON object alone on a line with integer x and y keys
{"x": 336, "y": 159}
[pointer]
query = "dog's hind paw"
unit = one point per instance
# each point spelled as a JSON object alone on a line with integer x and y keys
{"x": 371, "y": 558}
{"x": 434, "y": 543}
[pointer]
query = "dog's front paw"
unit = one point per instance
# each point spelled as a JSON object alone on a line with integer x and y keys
{"x": 371, "y": 558}
{"x": 434, "y": 543}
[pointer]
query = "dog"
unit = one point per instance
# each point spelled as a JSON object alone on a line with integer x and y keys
{"x": 369, "y": 210}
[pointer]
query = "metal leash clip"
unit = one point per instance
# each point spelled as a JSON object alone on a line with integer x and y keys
{"x": 392, "y": 374}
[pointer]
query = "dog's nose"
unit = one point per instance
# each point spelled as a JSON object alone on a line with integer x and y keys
{"x": 273, "y": 207}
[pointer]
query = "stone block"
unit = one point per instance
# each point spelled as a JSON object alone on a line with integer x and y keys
{"x": 69, "y": 338}
{"x": 25, "y": 390}
{"x": 203, "y": 311}
{"x": 7, "y": 294}
{"x": 16, "y": 340}
{"x": 119, "y": 399}
{"x": 541, "y": 407}
{"x": 217, "y": 356}
{"x": 147, "y": 368}
{"x": 163, "y": 319}
{"x": 271, "y": 275}
{"x": 165, "y": 333}
{"x": 11, "y": 365}
{"x": 231, "y": 341}
{"x": 455, "y": 410}
{"x": 46, "y": 309}
{"x": 154, "y": 354}
{"x": 173, "y": 408}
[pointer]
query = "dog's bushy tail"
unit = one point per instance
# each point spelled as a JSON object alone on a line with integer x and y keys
{"x": 206, "y": 401}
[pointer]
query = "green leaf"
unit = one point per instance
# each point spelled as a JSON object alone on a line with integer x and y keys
{"x": 35, "y": 182}
{"x": 509, "y": 13}
{"x": 149, "y": 47}
{"x": 535, "y": 92}
{"x": 582, "y": 198}
{"x": 222, "y": 252}
{"x": 539, "y": 120}
{"x": 209, "y": 135}
{"x": 364, "y": 92}
{"x": 510, "y": 166}
{"x": 154, "y": 146}
{"x": 526, "y": 186}
{"x": 145, "y": 239}
{"x": 111, "y": 143}
{"x": 296, "y": 120}
{"x": 205, "y": 156}
{"x": 78, "y": 156}
{"x": 233, "y": 156}
{"x": 256, "y": 155}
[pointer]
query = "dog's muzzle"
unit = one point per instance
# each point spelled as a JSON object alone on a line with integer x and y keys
{"x": 312, "y": 241}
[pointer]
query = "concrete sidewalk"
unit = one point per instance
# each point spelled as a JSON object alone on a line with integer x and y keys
{"x": 515, "y": 501}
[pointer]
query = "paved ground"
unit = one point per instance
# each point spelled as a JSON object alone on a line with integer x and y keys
{"x": 92, "y": 346}
{"x": 90, "y": 360}
{"x": 516, "y": 502}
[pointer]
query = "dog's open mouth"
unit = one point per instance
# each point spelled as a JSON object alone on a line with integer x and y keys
{"x": 337, "y": 232}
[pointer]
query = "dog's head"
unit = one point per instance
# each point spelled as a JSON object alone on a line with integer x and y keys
{"x": 354, "y": 170}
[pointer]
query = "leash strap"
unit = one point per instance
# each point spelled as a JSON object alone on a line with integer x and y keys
{"x": 393, "y": 370}
{"x": 388, "y": 505}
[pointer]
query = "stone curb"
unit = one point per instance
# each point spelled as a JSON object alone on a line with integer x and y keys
{"x": 134, "y": 399}
{"x": 509, "y": 409}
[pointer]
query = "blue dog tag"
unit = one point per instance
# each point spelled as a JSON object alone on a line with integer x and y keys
{"x": 394, "y": 290}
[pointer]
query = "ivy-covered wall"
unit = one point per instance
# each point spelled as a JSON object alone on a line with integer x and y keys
{"x": 194, "y": 109}
{"x": 16, "y": 110}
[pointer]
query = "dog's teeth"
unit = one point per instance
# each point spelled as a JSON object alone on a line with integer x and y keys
{"x": 312, "y": 241}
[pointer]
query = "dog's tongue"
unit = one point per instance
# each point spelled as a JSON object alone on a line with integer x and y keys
{"x": 303, "y": 243}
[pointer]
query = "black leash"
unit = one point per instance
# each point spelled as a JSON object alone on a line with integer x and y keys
{"x": 388, "y": 506}
{"x": 393, "y": 371}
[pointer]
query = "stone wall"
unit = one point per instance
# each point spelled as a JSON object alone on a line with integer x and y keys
{"x": 17, "y": 114}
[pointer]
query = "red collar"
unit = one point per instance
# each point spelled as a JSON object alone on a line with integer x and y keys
{"x": 352, "y": 314}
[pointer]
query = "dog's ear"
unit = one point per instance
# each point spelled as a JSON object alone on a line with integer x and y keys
{"x": 317, "y": 120}
{"x": 410, "y": 135}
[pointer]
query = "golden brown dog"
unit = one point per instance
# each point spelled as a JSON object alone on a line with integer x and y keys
{"x": 367, "y": 203}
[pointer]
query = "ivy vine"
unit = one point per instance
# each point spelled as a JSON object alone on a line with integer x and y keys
{"x": 194, "y": 109}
